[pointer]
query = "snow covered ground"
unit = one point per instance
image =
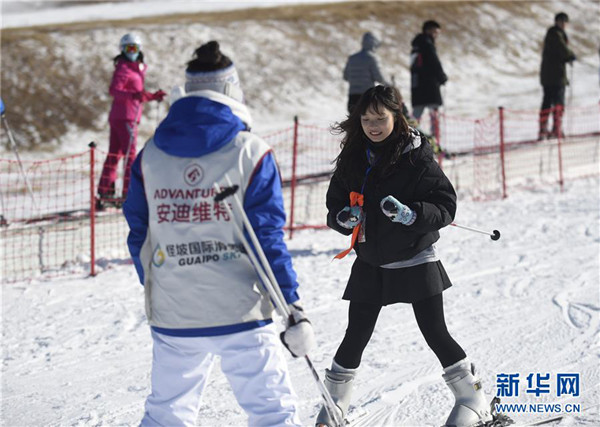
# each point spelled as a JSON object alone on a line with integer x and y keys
{"x": 77, "y": 351}
{"x": 25, "y": 13}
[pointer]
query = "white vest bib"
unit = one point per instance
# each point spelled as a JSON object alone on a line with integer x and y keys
{"x": 197, "y": 274}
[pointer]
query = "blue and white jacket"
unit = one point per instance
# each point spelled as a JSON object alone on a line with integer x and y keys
{"x": 198, "y": 279}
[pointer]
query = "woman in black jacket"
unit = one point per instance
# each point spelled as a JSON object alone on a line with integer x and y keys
{"x": 391, "y": 195}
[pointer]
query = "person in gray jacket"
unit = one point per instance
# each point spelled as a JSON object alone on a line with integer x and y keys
{"x": 362, "y": 69}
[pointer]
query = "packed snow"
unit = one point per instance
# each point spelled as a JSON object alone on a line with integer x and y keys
{"x": 20, "y": 13}
{"x": 77, "y": 351}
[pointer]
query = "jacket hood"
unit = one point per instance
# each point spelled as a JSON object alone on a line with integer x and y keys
{"x": 419, "y": 149}
{"x": 370, "y": 42}
{"x": 198, "y": 125}
{"x": 415, "y": 141}
{"x": 415, "y": 144}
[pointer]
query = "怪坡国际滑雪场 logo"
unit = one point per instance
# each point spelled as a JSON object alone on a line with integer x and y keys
{"x": 193, "y": 174}
{"x": 158, "y": 256}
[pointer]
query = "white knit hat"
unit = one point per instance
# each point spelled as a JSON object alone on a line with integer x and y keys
{"x": 212, "y": 80}
{"x": 211, "y": 70}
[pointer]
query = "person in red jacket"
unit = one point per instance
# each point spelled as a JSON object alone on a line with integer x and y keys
{"x": 127, "y": 90}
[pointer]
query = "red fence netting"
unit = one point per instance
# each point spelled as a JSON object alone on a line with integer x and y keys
{"x": 49, "y": 226}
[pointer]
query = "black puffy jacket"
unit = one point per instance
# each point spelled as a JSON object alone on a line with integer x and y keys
{"x": 426, "y": 72}
{"x": 555, "y": 56}
{"x": 420, "y": 184}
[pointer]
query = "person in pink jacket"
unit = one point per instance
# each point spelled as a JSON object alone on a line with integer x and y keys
{"x": 127, "y": 90}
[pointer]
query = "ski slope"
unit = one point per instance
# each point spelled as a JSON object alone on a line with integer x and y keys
{"x": 77, "y": 351}
{"x": 287, "y": 67}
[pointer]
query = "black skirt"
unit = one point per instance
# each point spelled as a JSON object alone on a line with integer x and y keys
{"x": 385, "y": 286}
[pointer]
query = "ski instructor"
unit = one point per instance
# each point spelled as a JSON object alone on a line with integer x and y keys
{"x": 127, "y": 90}
{"x": 203, "y": 296}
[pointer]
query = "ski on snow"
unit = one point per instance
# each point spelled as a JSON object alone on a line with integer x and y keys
{"x": 546, "y": 420}
{"x": 351, "y": 419}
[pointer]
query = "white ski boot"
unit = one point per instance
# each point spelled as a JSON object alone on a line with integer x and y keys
{"x": 471, "y": 407}
{"x": 338, "y": 381}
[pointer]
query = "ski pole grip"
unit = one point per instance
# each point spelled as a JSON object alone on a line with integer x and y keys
{"x": 495, "y": 235}
{"x": 226, "y": 192}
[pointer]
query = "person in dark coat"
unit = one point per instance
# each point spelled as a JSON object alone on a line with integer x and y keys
{"x": 426, "y": 73}
{"x": 362, "y": 69}
{"x": 553, "y": 75}
{"x": 391, "y": 195}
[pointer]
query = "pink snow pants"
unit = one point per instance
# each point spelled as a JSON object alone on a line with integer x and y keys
{"x": 123, "y": 137}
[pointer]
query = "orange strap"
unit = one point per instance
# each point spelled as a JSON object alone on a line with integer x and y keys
{"x": 355, "y": 199}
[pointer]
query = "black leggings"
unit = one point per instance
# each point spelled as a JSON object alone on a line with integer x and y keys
{"x": 430, "y": 318}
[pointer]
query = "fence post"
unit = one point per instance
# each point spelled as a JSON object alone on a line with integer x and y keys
{"x": 437, "y": 136}
{"x": 559, "y": 139}
{"x": 293, "y": 190}
{"x": 502, "y": 159}
{"x": 92, "y": 146}
{"x": 436, "y": 126}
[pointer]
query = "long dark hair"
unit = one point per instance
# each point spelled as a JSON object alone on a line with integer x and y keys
{"x": 122, "y": 56}
{"x": 351, "y": 163}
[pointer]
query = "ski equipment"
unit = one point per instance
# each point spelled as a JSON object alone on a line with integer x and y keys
{"x": 267, "y": 276}
{"x": 130, "y": 39}
{"x": 470, "y": 407}
{"x": 339, "y": 383}
{"x": 13, "y": 145}
{"x": 499, "y": 420}
{"x": 131, "y": 45}
{"x": 495, "y": 235}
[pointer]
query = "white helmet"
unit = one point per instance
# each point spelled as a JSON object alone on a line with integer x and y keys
{"x": 130, "y": 38}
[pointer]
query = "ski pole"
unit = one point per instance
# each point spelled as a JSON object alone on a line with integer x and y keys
{"x": 3, "y": 221}
{"x": 279, "y": 301}
{"x": 257, "y": 245}
{"x": 270, "y": 282}
{"x": 495, "y": 235}
{"x": 16, "y": 151}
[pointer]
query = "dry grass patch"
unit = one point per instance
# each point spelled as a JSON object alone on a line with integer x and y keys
{"x": 45, "y": 93}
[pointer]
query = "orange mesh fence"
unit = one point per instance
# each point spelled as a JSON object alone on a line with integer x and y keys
{"x": 35, "y": 196}
{"x": 49, "y": 223}
{"x": 487, "y": 158}
{"x": 46, "y": 218}
{"x": 305, "y": 154}
{"x": 109, "y": 236}
{"x": 282, "y": 144}
{"x": 316, "y": 149}
{"x": 548, "y": 147}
